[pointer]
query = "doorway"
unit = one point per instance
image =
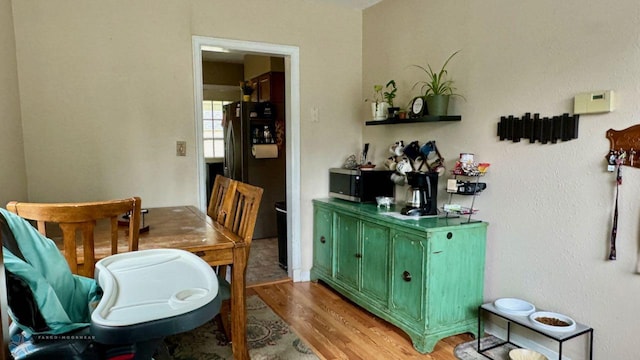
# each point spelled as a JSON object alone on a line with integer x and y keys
{"x": 292, "y": 111}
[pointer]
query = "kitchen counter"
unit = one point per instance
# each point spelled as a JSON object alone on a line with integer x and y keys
{"x": 391, "y": 215}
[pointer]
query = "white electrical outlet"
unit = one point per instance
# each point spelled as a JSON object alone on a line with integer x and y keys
{"x": 315, "y": 114}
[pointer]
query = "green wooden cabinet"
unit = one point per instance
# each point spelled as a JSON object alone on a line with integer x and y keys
{"x": 425, "y": 276}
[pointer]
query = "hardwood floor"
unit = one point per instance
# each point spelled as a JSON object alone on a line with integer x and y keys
{"x": 338, "y": 329}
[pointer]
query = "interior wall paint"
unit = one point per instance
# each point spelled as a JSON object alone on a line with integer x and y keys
{"x": 116, "y": 86}
{"x": 107, "y": 91}
{"x": 13, "y": 177}
{"x": 549, "y": 206}
{"x": 231, "y": 95}
{"x": 255, "y": 65}
{"x": 221, "y": 73}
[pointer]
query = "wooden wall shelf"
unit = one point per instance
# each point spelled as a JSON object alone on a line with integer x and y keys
{"x": 428, "y": 118}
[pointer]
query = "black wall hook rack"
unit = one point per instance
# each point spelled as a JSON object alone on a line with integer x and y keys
{"x": 547, "y": 129}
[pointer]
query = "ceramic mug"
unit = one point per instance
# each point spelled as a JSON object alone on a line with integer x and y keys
{"x": 398, "y": 148}
{"x": 428, "y": 149}
{"x": 404, "y": 166}
{"x": 391, "y": 163}
{"x": 397, "y": 179}
{"x": 412, "y": 150}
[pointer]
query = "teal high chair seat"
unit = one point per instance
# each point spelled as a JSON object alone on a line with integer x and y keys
{"x": 59, "y": 315}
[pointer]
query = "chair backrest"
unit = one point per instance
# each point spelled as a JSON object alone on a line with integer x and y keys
{"x": 240, "y": 210}
{"x": 79, "y": 220}
{"x": 221, "y": 186}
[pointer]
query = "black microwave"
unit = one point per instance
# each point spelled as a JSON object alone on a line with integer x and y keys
{"x": 360, "y": 185}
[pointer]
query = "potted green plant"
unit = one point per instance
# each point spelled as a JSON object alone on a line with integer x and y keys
{"x": 247, "y": 90}
{"x": 389, "y": 95}
{"x": 437, "y": 88}
{"x": 378, "y": 106}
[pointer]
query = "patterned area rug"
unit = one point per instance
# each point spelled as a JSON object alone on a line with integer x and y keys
{"x": 268, "y": 336}
{"x": 468, "y": 350}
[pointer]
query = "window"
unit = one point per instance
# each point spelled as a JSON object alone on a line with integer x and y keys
{"x": 213, "y": 134}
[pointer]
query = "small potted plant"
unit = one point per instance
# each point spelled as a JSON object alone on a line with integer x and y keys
{"x": 389, "y": 95}
{"x": 378, "y": 106}
{"x": 247, "y": 90}
{"x": 437, "y": 88}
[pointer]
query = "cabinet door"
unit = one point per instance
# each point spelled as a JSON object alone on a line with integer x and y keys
{"x": 456, "y": 273}
{"x": 408, "y": 290}
{"x": 347, "y": 250}
{"x": 322, "y": 241}
{"x": 256, "y": 89}
{"x": 375, "y": 262}
{"x": 264, "y": 88}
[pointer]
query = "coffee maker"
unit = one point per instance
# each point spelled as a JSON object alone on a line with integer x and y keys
{"x": 422, "y": 194}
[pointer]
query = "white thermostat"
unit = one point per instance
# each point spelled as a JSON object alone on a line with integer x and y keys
{"x": 593, "y": 102}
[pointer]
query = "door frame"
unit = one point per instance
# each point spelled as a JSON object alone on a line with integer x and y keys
{"x": 292, "y": 124}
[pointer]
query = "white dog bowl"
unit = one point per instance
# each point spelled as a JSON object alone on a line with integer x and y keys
{"x": 514, "y": 306}
{"x": 537, "y": 319}
{"x": 526, "y": 354}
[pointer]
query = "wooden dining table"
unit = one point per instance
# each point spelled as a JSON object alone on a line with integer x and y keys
{"x": 187, "y": 228}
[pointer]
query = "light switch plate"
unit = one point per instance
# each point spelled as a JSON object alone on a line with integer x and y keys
{"x": 181, "y": 148}
{"x": 593, "y": 102}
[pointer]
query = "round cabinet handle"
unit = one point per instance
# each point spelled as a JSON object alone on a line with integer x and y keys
{"x": 322, "y": 239}
{"x": 406, "y": 276}
{"x": 449, "y": 235}
{"x": 358, "y": 256}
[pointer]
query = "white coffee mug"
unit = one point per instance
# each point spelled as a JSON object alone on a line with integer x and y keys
{"x": 398, "y": 148}
{"x": 397, "y": 179}
{"x": 404, "y": 166}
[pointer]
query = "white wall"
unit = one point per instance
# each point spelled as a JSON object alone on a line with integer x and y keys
{"x": 549, "y": 206}
{"x": 107, "y": 89}
{"x": 13, "y": 175}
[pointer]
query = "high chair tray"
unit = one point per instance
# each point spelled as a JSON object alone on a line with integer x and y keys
{"x": 149, "y": 285}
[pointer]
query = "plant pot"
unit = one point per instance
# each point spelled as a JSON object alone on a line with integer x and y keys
{"x": 379, "y": 110}
{"x": 246, "y": 97}
{"x": 437, "y": 104}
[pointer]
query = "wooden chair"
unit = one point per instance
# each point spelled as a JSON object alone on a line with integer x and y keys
{"x": 221, "y": 186}
{"x": 79, "y": 219}
{"x": 239, "y": 210}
